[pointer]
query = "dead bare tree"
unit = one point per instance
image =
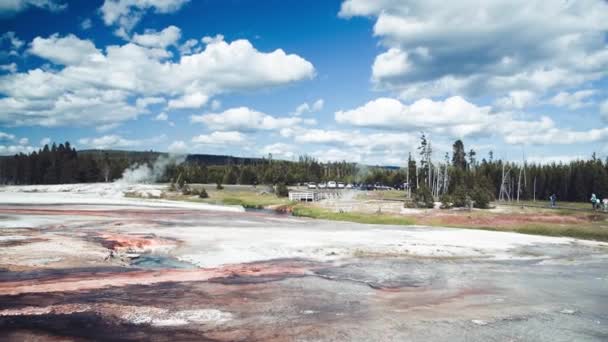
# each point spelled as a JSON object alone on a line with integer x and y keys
{"x": 504, "y": 192}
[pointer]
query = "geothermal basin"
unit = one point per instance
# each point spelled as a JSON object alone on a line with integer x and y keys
{"x": 83, "y": 263}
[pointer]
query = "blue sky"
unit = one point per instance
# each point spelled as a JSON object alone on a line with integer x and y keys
{"x": 357, "y": 80}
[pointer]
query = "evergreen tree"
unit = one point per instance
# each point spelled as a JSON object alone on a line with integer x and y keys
{"x": 459, "y": 155}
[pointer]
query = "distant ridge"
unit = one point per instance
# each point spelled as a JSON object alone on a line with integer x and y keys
{"x": 203, "y": 159}
{"x": 207, "y": 159}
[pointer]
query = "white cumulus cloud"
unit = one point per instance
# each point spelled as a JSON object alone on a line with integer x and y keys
{"x": 151, "y": 38}
{"x": 95, "y": 87}
{"x": 177, "y": 146}
{"x": 220, "y": 138}
{"x": 574, "y": 100}
{"x": 127, "y": 13}
{"x": 309, "y": 108}
{"x": 244, "y": 119}
{"x": 117, "y": 141}
{"x": 68, "y": 50}
{"x": 9, "y": 7}
{"x": 454, "y": 116}
{"x": 439, "y": 48}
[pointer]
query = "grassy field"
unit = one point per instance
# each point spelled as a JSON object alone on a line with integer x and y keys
{"x": 320, "y": 213}
{"x": 545, "y": 204}
{"x": 534, "y": 218}
{"x": 390, "y": 195}
{"x": 247, "y": 197}
{"x": 587, "y": 231}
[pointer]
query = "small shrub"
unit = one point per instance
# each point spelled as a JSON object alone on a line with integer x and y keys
{"x": 219, "y": 186}
{"x": 423, "y": 198}
{"x": 203, "y": 193}
{"x": 410, "y": 204}
{"x": 282, "y": 190}
{"x": 460, "y": 198}
{"x": 447, "y": 202}
{"x": 481, "y": 198}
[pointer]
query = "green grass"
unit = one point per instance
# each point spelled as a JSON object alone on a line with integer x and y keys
{"x": 579, "y": 232}
{"x": 545, "y": 204}
{"x": 386, "y": 195}
{"x": 587, "y": 231}
{"x": 324, "y": 214}
{"x": 247, "y": 199}
{"x": 595, "y": 228}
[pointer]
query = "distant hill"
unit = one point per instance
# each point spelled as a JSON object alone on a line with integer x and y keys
{"x": 144, "y": 156}
{"x": 202, "y": 159}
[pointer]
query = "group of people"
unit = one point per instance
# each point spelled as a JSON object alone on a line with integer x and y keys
{"x": 596, "y": 202}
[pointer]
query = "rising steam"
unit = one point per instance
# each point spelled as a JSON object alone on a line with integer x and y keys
{"x": 143, "y": 173}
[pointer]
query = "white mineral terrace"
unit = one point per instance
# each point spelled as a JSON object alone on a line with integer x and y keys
{"x": 87, "y": 256}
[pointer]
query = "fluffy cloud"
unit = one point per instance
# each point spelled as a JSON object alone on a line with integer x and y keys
{"x": 177, "y": 147}
{"x": 354, "y": 145}
{"x": 82, "y": 107}
{"x": 68, "y": 50}
{"x": 189, "y": 47}
{"x": 17, "y": 145}
{"x": 546, "y": 132}
{"x": 151, "y": 38}
{"x": 516, "y": 99}
{"x": 279, "y": 150}
{"x": 127, "y": 13}
{"x": 191, "y": 100}
{"x": 575, "y": 100}
{"x": 161, "y": 117}
{"x": 220, "y": 138}
{"x": 453, "y": 116}
{"x": 245, "y": 120}
{"x": 143, "y": 102}
{"x": 554, "y": 159}
{"x": 312, "y": 108}
{"x": 86, "y": 24}
{"x": 10, "y": 7}
{"x": 336, "y": 154}
{"x": 6, "y": 136}
{"x": 10, "y": 44}
{"x": 15, "y": 149}
{"x": 11, "y": 67}
{"x": 117, "y": 141}
{"x": 438, "y": 48}
{"x": 95, "y": 87}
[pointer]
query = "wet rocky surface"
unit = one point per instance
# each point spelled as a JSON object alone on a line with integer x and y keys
{"x": 126, "y": 273}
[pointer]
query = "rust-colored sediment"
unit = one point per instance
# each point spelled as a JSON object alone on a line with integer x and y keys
{"x": 91, "y": 282}
{"x": 134, "y": 241}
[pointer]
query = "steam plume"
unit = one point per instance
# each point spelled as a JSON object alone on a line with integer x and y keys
{"x": 143, "y": 173}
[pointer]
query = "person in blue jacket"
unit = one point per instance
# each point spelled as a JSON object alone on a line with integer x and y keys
{"x": 594, "y": 201}
{"x": 553, "y": 200}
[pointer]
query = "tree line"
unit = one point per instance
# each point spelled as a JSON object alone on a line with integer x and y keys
{"x": 459, "y": 174}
